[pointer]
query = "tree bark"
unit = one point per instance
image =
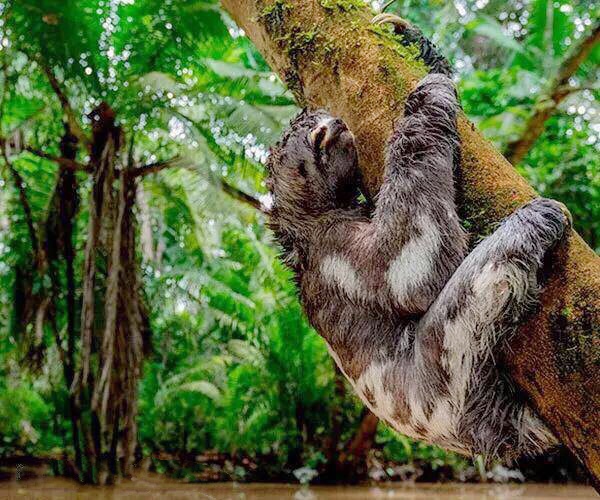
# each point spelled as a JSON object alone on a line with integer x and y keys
{"x": 547, "y": 104}
{"x": 333, "y": 57}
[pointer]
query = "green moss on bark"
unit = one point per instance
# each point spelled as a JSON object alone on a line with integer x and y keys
{"x": 343, "y": 5}
{"x": 272, "y": 16}
{"x": 390, "y": 40}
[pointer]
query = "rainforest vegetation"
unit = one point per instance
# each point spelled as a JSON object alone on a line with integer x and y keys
{"x": 145, "y": 320}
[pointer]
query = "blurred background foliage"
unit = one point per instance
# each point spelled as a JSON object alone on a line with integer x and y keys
{"x": 236, "y": 385}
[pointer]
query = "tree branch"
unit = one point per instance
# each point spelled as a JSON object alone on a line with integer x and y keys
{"x": 227, "y": 188}
{"x": 74, "y": 125}
{"x": 153, "y": 168}
{"x": 555, "y": 355}
{"x": 547, "y": 104}
{"x": 241, "y": 196}
{"x": 20, "y": 185}
{"x": 354, "y": 457}
{"x": 63, "y": 162}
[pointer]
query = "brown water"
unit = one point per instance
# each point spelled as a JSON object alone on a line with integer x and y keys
{"x": 158, "y": 487}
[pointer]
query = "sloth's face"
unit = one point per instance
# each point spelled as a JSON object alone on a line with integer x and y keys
{"x": 315, "y": 165}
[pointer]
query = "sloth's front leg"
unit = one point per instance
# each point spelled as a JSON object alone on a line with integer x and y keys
{"x": 417, "y": 229}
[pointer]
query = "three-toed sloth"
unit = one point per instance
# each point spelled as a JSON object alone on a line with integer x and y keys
{"x": 415, "y": 323}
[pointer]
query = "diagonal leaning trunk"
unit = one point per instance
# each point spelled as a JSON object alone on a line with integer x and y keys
{"x": 330, "y": 56}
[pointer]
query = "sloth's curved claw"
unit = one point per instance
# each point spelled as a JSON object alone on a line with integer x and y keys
{"x": 398, "y": 23}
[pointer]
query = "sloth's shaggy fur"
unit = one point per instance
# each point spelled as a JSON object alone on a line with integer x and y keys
{"x": 416, "y": 325}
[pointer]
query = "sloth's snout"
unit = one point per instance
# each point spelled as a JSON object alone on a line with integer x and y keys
{"x": 328, "y": 132}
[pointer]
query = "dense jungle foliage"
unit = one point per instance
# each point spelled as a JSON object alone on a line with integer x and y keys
{"x": 144, "y": 317}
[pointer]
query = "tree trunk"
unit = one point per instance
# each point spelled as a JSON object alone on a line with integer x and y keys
{"x": 116, "y": 335}
{"x": 332, "y": 57}
{"x": 332, "y": 442}
{"x": 352, "y": 463}
{"x": 68, "y": 204}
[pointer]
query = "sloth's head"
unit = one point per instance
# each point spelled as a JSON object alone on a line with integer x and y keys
{"x": 314, "y": 167}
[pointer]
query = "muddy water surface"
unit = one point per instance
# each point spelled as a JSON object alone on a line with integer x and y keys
{"x": 158, "y": 487}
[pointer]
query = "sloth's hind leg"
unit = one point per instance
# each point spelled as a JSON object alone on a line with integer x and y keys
{"x": 411, "y": 35}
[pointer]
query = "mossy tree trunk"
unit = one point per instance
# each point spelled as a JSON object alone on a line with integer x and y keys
{"x": 330, "y": 56}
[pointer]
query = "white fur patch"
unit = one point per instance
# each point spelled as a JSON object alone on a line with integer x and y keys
{"x": 416, "y": 408}
{"x": 492, "y": 284}
{"x": 371, "y": 380}
{"x": 415, "y": 262}
{"x": 340, "y": 272}
{"x": 381, "y": 400}
{"x": 458, "y": 358}
{"x": 469, "y": 338}
{"x": 266, "y": 201}
{"x": 442, "y": 422}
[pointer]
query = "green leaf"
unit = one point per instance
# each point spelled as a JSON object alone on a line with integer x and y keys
{"x": 492, "y": 29}
{"x": 203, "y": 387}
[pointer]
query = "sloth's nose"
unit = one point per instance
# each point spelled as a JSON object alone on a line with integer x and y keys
{"x": 327, "y": 132}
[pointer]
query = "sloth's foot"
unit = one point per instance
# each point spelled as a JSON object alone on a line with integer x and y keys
{"x": 398, "y": 23}
{"x": 409, "y": 35}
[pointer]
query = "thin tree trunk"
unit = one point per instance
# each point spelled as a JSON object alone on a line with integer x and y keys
{"x": 138, "y": 335}
{"x": 333, "y": 58}
{"x": 547, "y": 104}
{"x": 103, "y": 157}
{"x": 146, "y": 236}
{"x": 67, "y": 210}
{"x": 352, "y": 462}
{"x": 332, "y": 443}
